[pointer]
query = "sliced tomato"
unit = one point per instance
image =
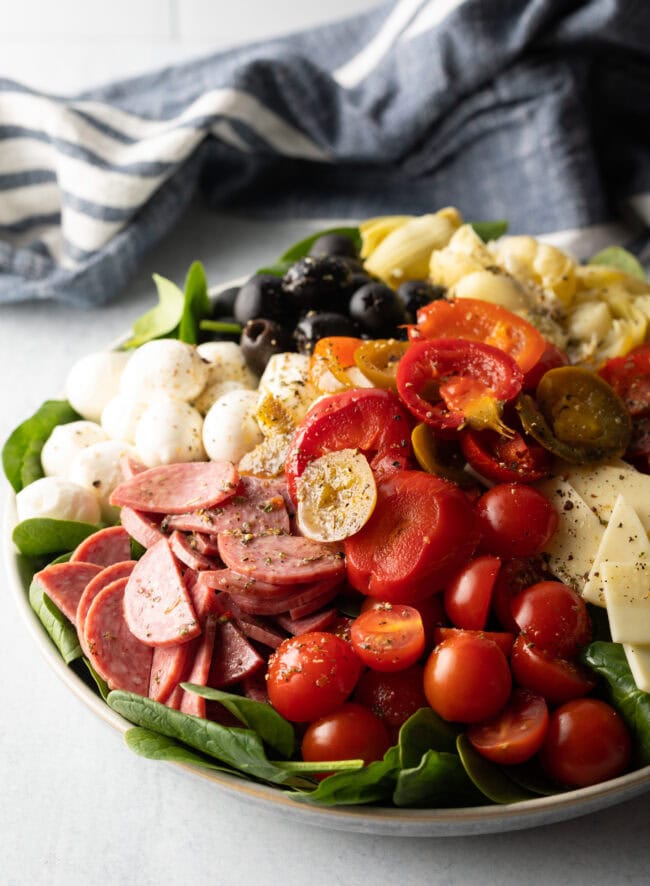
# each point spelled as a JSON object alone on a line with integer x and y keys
{"x": 630, "y": 378}
{"x": 370, "y": 420}
{"x": 503, "y": 639}
{"x": 505, "y": 459}
{"x": 556, "y": 679}
{"x": 389, "y": 637}
{"x": 422, "y": 529}
{"x": 467, "y": 597}
{"x": 516, "y": 733}
{"x": 481, "y": 321}
{"x": 451, "y": 382}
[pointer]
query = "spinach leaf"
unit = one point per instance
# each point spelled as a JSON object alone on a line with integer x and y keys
{"x": 240, "y": 748}
{"x": 375, "y": 782}
{"x": 423, "y": 731}
{"x": 59, "y": 629}
{"x": 620, "y": 258}
{"x": 490, "y": 230}
{"x": 529, "y": 776}
{"x": 258, "y": 716}
{"x": 608, "y": 660}
{"x": 100, "y": 683}
{"x": 491, "y": 780}
{"x": 161, "y": 320}
{"x": 21, "y": 454}
{"x": 43, "y": 535}
{"x": 302, "y": 247}
{"x": 438, "y": 780}
{"x": 154, "y": 746}
{"x": 196, "y": 304}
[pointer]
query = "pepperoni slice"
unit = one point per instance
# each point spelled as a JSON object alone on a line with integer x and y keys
{"x": 157, "y": 606}
{"x": 94, "y": 586}
{"x": 64, "y": 583}
{"x": 177, "y": 488}
{"x": 282, "y": 559}
{"x": 141, "y": 527}
{"x": 117, "y": 656}
{"x": 108, "y": 546}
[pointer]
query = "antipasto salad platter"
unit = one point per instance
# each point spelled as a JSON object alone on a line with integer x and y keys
{"x": 366, "y": 533}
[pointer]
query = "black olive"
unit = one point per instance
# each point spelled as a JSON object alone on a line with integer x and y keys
{"x": 320, "y": 324}
{"x": 224, "y": 303}
{"x": 377, "y": 310}
{"x": 314, "y": 283}
{"x": 333, "y": 244}
{"x": 262, "y": 338}
{"x": 415, "y": 294}
{"x": 262, "y": 296}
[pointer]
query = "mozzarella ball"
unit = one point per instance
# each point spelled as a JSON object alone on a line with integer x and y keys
{"x": 230, "y": 429}
{"x": 65, "y": 442}
{"x": 120, "y": 417}
{"x": 212, "y": 392}
{"x": 94, "y": 380}
{"x": 59, "y": 499}
{"x": 167, "y": 366}
{"x": 97, "y": 468}
{"x": 226, "y": 363}
{"x": 169, "y": 431}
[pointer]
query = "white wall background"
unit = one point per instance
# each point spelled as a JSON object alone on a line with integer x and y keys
{"x": 66, "y": 45}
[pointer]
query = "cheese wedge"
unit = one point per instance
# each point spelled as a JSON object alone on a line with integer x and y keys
{"x": 638, "y": 658}
{"x": 626, "y": 588}
{"x": 600, "y": 486}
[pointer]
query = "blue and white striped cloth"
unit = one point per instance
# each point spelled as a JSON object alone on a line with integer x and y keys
{"x": 537, "y": 111}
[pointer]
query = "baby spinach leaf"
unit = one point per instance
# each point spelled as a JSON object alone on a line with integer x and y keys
{"x": 59, "y": 629}
{"x": 260, "y": 717}
{"x": 100, "y": 683}
{"x": 161, "y": 320}
{"x": 529, "y": 776}
{"x": 375, "y": 782}
{"x": 490, "y": 230}
{"x": 608, "y": 660}
{"x": 196, "y": 304}
{"x": 302, "y": 247}
{"x": 154, "y": 746}
{"x": 423, "y": 731}
{"x": 240, "y": 748}
{"x": 620, "y": 258}
{"x": 43, "y": 535}
{"x": 491, "y": 780}
{"x": 438, "y": 780}
{"x": 21, "y": 454}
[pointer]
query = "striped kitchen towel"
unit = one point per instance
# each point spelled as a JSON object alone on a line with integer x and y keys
{"x": 537, "y": 111}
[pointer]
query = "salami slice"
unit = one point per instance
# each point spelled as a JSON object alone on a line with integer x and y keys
{"x": 108, "y": 546}
{"x": 117, "y": 656}
{"x": 191, "y": 703}
{"x": 205, "y": 544}
{"x": 203, "y": 597}
{"x": 130, "y": 466}
{"x": 234, "y": 583}
{"x": 141, "y": 527}
{"x": 64, "y": 583}
{"x": 183, "y": 551}
{"x": 234, "y": 658}
{"x": 177, "y": 488}
{"x": 319, "y": 593}
{"x": 319, "y": 621}
{"x": 157, "y": 606}
{"x": 282, "y": 559}
{"x": 94, "y": 586}
{"x": 169, "y": 667}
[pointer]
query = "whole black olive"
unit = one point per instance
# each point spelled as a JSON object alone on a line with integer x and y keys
{"x": 262, "y": 338}
{"x": 315, "y": 283}
{"x": 320, "y": 324}
{"x": 223, "y": 304}
{"x": 377, "y": 310}
{"x": 333, "y": 244}
{"x": 415, "y": 294}
{"x": 262, "y": 296}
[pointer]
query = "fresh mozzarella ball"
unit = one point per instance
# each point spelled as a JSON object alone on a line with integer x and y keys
{"x": 169, "y": 431}
{"x": 98, "y": 469}
{"x": 227, "y": 371}
{"x": 59, "y": 499}
{"x": 65, "y": 442}
{"x": 93, "y": 380}
{"x": 167, "y": 366}
{"x": 230, "y": 429}
{"x": 121, "y": 416}
{"x": 212, "y": 392}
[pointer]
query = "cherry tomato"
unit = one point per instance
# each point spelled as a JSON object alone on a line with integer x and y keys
{"x": 420, "y": 532}
{"x": 450, "y": 382}
{"x": 515, "y": 574}
{"x": 431, "y": 611}
{"x": 587, "y": 742}
{"x": 311, "y": 675}
{"x": 516, "y": 733}
{"x": 505, "y": 459}
{"x": 350, "y": 733}
{"x": 552, "y": 358}
{"x": 467, "y": 678}
{"x": 516, "y": 520}
{"x": 481, "y": 321}
{"x": 553, "y": 617}
{"x": 503, "y": 639}
{"x": 392, "y": 697}
{"x": 389, "y": 638}
{"x": 556, "y": 679}
{"x": 630, "y": 378}
{"x": 467, "y": 597}
{"x": 370, "y": 420}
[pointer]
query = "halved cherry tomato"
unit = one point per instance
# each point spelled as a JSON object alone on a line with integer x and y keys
{"x": 481, "y": 321}
{"x": 587, "y": 742}
{"x": 468, "y": 596}
{"x": 516, "y": 574}
{"x": 516, "y": 520}
{"x": 370, "y": 420}
{"x": 431, "y": 609}
{"x": 388, "y": 638}
{"x": 452, "y": 382}
{"x": 505, "y": 459}
{"x": 503, "y": 639}
{"x": 516, "y": 733}
{"x": 556, "y": 679}
{"x": 553, "y": 617}
{"x": 392, "y": 697}
{"x": 630, "y": 378}
{"x": 350, "y": 733}
{"x": 552, "y": 358}
{"x": 420, "y": 532}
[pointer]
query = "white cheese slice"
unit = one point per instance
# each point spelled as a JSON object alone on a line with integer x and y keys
{"x": 626, "y": 587}
{"x": 638, "y": 658}
{"x": 572, "y": 550}
{"x": 624, "y": 540}
{"x": 600, "y": 487}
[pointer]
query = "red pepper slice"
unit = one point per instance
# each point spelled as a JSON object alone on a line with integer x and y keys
{"x": 450, "y": 383}
{"x": 505, "y": 459}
